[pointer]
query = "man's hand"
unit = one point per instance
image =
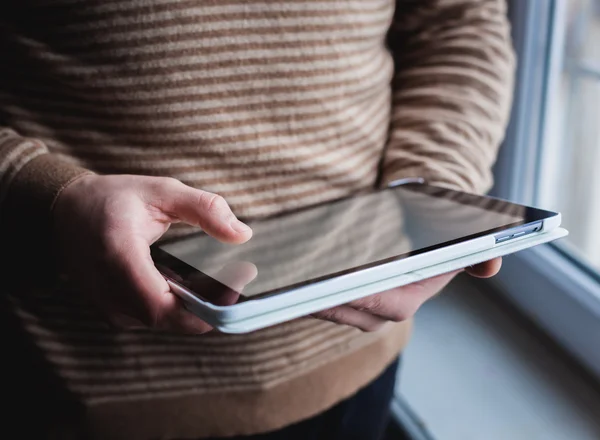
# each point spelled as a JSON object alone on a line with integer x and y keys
{"x": 103, "y": 229}
{"x": 372, "y": 312}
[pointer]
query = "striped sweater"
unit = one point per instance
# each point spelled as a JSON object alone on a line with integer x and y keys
{"x": 273, "y": 104}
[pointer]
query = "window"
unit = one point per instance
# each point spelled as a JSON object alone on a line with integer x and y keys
{"x": 569, "y": 178}
{"x": 551, "y": 158}
{"x": 471, "y": 368}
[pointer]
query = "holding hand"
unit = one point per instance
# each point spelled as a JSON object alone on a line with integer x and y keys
{"x": 103, "y": 229}
{"x": 370, "y": 313}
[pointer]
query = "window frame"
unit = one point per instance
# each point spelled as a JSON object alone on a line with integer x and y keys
{"x": 548, "y": 283}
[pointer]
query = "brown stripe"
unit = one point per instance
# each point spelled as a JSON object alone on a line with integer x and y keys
{"x": 78, "y": 40}
{"x": 280, "y": 200}
{"x": 78, "y": 3}
{"x": 125, "y": 126}
{"x": 201, "y": 149}
{"x": 132, "y": 101}
{"x": 428, "y": 100}
{"x": 363, "y": 179}
{"x": 76, "y": 351}
{"x": 420, "y": 78}
{"x": 56, "y": 12}
{"x": 343, "y": 16}
{"x": 176, "y": 381}
{"x": 403, "y": 162}
{"x": 461, "y": 62}
{"x": 108, "y": 56}
{"x": 307, "y": 347}
{"x": 58, "y": 324}
{"x": 341, "y": 129}
{"x": 469, "y": 49}
{"x": 66, "y": 339}
{"x": 101, "y": 382}
{"x": 132, "y": 70}
{"x": 224, "y": 49}
{"x": 357, "y": 144}
{"x": 339, "y": 178}
{"x": 135, "y": 59}
{"x": 41, "y": 103}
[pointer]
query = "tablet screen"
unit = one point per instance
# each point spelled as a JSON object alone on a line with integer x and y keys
{"x": 336, "y": 238}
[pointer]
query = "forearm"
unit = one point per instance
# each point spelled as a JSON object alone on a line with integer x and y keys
{"x": 30, "y": 179}
{"x": 451, "y": 93}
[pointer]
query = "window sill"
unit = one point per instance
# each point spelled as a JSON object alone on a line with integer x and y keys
{"x": 475, "y": 369}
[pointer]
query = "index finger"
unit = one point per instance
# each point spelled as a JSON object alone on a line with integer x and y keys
{"x": 201, "y": 208}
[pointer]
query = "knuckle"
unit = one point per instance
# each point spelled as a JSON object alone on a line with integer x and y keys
{"x": 334, "y": 315}
{"x": 160, "y": 185}
{"x": 170, "y": 183}
{"x": 161, "y": 192}
{"x": 213, "y": 203}
{"x": 372, "y": 304}
{"x": 163, "y": 189}
{"x": 375, "y": 303}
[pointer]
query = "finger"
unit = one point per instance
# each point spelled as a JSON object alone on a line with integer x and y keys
{"x": 402, "y": 303}
{"x": 201, "y": 208}
{"x": 348, "y": 316}
{"x": 145, "y": 293}
{"x": 485, "y": 270}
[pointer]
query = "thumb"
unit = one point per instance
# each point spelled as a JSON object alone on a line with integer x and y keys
{"x": 204, "y": 209}
{"x": 485, "y": 270}
{"x": 142, "y": 291}
{"x": 152, "y": 302}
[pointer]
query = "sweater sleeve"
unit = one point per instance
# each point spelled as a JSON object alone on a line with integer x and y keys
{"x": 452, "y": 91}
{"x": 30, "y": 179}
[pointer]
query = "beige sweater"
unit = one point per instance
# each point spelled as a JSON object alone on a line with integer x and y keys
{"x": 273, "y": 104}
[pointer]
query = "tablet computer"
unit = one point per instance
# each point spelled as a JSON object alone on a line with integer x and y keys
{"x": 315, "y": 258}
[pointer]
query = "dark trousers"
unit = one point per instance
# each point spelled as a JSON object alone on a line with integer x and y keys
{"x": 363, "y": 416}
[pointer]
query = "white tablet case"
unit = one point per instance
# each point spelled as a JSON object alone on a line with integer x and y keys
{"x": 205, "y": 310}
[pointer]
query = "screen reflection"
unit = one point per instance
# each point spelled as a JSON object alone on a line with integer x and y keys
{"x": 339, "y": 237}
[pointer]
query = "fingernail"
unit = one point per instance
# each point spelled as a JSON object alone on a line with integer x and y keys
{"x": 238, "y": 226}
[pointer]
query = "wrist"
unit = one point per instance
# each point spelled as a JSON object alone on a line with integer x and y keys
{"x": 71, "y": 186}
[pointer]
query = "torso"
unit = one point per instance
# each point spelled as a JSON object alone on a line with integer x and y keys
{"x": 274, "y": 105}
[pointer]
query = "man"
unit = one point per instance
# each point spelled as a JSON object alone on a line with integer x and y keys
{"x": 123, "y": 117}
